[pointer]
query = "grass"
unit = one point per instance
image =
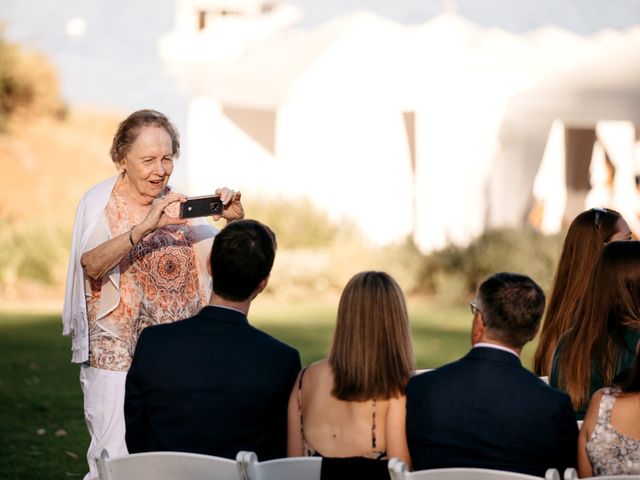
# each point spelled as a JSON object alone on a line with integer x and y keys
{"x": 42, "y": 429}
{"x": 40, "y": 396}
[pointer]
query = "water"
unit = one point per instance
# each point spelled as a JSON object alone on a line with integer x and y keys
{"x": 115, "y": 64}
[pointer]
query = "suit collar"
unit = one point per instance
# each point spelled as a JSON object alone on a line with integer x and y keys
{"x": 229, "y": 315}
{"x": 494, "y": 354}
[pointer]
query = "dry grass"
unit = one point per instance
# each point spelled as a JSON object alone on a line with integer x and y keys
{"x": 47, "y": 165}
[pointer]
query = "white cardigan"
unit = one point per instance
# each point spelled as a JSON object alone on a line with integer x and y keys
{"x": 91, "y": 229}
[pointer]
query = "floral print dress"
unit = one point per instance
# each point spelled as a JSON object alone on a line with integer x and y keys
{"x": 609, "y": 451}
{"x": 159, "y": 283}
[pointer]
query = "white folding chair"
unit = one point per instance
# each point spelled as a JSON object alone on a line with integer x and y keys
{"x": 293, "y": 468}
{"x": 572, "y": 474}
{"x": 166, "y": 466}
{"x": 398, "y": 471}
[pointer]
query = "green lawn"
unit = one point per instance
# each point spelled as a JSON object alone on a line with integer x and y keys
{"x": 42, "y": 430}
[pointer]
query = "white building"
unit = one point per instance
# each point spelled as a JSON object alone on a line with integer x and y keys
{"x": 420, "y": 130}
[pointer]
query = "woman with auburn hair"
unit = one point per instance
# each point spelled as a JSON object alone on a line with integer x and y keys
{"x": 609, "y": 440}
{"x": 350, "y": 408}
{"x": 587, "y": 234}
{"x": 602, "y": 343}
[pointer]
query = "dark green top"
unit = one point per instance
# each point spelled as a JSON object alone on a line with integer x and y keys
{"x": 627, "y": 352}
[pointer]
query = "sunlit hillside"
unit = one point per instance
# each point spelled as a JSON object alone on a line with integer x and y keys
{"x": 47, "y": 164}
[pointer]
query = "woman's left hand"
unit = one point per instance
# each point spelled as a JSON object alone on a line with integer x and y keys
{"x": 232, "y": 207}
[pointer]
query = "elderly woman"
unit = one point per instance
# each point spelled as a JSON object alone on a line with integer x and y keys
{"x": 133, "y": 263}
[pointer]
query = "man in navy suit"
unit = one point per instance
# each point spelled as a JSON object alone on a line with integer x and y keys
{"x": 486, "y": 410}
{"x": 212, "y": 383}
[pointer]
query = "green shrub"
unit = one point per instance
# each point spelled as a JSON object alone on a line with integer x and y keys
{"x": 525, "y": 251}
{"x": 402, "y": 260}
{"x": 453, "y": 274}
{"x": 318, "y": 256}
{"x": 32, "y": 252}
{"x": 298, "y": 223}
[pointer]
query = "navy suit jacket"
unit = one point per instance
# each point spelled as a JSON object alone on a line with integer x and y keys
{"x": 487, "y": 411}
{"x": 210, "y": 384}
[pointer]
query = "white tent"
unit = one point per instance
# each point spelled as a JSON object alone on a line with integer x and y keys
{"x": 435, "y": 130}
{"x": 320, "y": 110}
{"x": 593, "y": 96}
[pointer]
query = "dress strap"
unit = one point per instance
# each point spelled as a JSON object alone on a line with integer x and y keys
{"x": 378, "y": 455}
{"x": 606, "y": 404}
{"x": 374, "y": 445}
{"x": 306, "y": 449}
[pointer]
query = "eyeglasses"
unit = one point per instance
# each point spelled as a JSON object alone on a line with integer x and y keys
{"x": 474, "y": 308}
{"x": 596, "y": 218}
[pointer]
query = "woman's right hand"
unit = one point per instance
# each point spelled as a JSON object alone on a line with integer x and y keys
{"x": 98, "y": 261}
{"x": 160, "y": 215}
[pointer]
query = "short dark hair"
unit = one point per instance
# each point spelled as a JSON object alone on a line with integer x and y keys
{"x": 512, "y": 306}
{"x": 241, "y": 257}
{"x": 130, "y": 127}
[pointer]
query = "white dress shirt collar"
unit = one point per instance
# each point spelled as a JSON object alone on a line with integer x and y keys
{"x": 224, "y": 306}
{"x": 497, "y": 347}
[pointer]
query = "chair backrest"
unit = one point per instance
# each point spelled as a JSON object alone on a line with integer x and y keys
{"x": 572, "y": 474}
{"x": 398, "y": 471}
{"x": 167, "y": 466}
{"x": 293, "y": 468}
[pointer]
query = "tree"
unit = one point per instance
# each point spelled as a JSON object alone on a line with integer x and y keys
{"x": 28, "y": 85}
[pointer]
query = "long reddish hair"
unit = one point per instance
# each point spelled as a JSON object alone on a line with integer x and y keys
{"x": 610, "y": 307}
{"x": 586, "y": 236}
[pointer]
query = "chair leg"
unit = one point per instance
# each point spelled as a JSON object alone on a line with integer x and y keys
{"x": 103, "y": 469}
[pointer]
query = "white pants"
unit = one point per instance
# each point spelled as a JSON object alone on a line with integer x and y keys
{"x": 104, "y": 413}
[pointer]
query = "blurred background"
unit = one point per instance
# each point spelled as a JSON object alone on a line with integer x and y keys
{"x": 440, "y": 141}
{"x": 369, "y": 134}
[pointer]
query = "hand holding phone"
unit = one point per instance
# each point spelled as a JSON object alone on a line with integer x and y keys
{"x": 204, "y": 206}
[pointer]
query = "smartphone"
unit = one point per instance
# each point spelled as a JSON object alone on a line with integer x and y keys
{"x": 204, "y": 206}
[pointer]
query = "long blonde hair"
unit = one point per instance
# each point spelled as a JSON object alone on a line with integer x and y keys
{"x": 371, "y": 353}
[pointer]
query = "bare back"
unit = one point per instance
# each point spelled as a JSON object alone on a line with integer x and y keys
{"x": 625, "y": 415}
{"x": 609, "y": 441}
{"x": 338, "y": 428}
